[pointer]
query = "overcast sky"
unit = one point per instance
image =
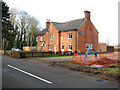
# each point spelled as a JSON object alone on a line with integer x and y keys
{"x": 104, "y": 13}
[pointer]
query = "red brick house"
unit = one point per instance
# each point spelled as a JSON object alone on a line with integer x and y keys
{"x": 75, "y": 35}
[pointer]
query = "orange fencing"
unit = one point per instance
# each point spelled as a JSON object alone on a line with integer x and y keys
{"x": 102, "y": 59}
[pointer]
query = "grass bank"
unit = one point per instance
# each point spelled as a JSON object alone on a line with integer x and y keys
{"x": 111, "y": 73}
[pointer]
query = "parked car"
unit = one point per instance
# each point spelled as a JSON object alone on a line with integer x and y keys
{"x": 15, "y": 49}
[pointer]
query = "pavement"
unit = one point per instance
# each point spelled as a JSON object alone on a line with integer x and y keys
{"x": 20, "y": 73}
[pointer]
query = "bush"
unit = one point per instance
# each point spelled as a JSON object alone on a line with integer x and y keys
{"x": 8, "y": 53}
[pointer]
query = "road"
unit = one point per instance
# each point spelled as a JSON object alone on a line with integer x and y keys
{"x": 25, "y": 74}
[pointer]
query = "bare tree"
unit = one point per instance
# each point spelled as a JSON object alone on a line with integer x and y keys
{"x": 33, "y": 29}
{"x": 13, "y": 16}
{"x": 13, "y": 19}
{"x": 26, "y": 27}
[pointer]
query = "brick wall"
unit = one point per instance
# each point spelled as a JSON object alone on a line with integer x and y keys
{"x": 46, "y": 39}
{"x": 86, "y": 34}
{"x": 89, "y": 35}
{"x": 65, "y": 41}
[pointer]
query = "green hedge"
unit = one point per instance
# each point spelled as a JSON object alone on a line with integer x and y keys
{"x": 23, "y": 54}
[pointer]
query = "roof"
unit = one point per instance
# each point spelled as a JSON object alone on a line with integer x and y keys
{"x": 43, "y": 31}
{"x": 70, "y": 25}
{"x": 66, "y": 26}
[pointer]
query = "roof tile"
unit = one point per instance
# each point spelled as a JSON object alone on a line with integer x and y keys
{"x": 67, "y": 26}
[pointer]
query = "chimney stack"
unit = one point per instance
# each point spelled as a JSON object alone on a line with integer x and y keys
{"x": 48, "y": 22}
{"x": 87, "y": 15}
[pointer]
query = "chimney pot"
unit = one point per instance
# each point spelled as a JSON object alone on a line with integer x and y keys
{"x": 47, "y": 22}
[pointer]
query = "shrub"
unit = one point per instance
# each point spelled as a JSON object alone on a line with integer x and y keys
{"x": 8, "y": 53}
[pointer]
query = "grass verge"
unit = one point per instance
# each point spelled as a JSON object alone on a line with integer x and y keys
{"x": 108, "y": 72}
{"x": 49, "y": 56}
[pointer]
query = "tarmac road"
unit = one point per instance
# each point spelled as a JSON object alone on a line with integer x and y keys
{"x": 18, "y": 73}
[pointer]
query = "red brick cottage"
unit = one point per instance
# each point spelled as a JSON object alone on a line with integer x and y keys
{"x": 75, "y": 35}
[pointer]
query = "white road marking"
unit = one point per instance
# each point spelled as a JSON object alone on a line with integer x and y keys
{"x": 29, "y": 74}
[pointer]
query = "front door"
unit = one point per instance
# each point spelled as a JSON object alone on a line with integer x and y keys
{"x": 55, "y": 49}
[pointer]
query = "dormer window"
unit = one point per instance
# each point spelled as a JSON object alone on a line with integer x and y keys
{"x": 69, "y": 35}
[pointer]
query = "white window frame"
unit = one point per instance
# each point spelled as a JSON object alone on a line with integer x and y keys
{"x": 69, "y": 35}
{"x": 69, "y": 49}
{"x": 41, "y": 48}
{"x": 90, "y": 45}
{"x": 50, "y": 48}
{"x": 87, "y": 45}
{"x": 62, "y": 46}
{"x": 41, "y": 38}
{"x": 51, "y": 37}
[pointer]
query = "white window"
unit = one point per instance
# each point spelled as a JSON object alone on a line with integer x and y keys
{"x": 69, "y": 35}
{"x": 70, "y": 47}
{"x": 41, "y": 38}
{"x": 50, "y": 47}
{"x": 91, "y": 46}
{"x": 51, "y": 37}
{"x": 41, "y": 47}
{"x": 62, "y": 46}
{"x": 87, "y": 46}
